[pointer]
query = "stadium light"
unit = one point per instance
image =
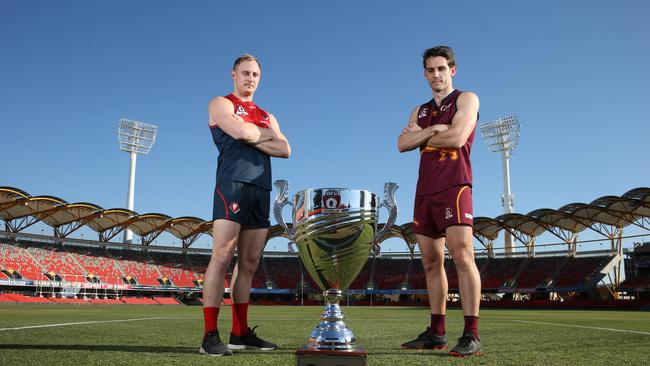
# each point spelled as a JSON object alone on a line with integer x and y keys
{"x": 135, "y": 138}
{"x": 502, "y": 135}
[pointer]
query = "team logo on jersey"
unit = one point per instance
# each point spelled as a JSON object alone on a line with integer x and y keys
{"x": 423, "y": 112}
{"x": 448, "y": 214}
{"x": 241, "y": 111}
{"x": 445, "y": 107}
{"x": 234, "y": 207}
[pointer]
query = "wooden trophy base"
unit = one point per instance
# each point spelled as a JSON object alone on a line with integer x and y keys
{"x": 309, "y": 356}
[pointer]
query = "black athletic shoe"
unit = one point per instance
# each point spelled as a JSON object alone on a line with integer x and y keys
{"x": 250, "y": 340}
{"x": 212, "y": 345}
{"x": 426, "y": 340}
{"x": 467, "y": 346}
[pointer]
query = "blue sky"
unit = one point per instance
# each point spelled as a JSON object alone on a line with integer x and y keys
{"x": 341, "y": 77}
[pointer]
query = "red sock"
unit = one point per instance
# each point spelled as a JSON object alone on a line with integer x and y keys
{"x": 471, "y": 326}
{"x": 210, "y": 316}
{"x": 438, "y": 324}
{"x": 240, "y": 319}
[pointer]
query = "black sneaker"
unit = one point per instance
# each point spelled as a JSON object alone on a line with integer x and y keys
{"x": 212, "y": 345}
{"x": 250, "y": 340}
{"x": 426, "y": 340}
{"x": 467, "y": 346}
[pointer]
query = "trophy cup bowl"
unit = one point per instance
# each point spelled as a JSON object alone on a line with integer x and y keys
{"x": 335, "y": 230}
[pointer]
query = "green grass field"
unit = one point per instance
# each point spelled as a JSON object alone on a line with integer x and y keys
{"x": 509, "y": 337}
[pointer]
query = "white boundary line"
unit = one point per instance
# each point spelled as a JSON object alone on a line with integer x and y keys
{"x": 584, "y": 327}
{"x": 78, "y": 323}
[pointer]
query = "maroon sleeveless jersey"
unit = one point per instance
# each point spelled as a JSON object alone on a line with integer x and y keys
{"x": 445, "y": 167}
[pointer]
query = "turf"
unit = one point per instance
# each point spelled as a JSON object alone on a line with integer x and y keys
{"x": 176, "y": 338}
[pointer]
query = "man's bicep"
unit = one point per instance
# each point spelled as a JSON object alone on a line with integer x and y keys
{"x": 275, "y": 126}
{"x": 413, "y": 122}
{"x": 222, "y": 116}
{"x": 466, "y": 113}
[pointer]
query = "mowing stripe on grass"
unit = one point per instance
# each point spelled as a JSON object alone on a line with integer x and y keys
{"x": 583, "y": 326}
{"x": 79, "y": 323}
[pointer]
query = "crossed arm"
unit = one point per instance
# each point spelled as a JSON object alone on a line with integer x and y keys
{"x": 269, "y": 140}
{"x": 439, "y": 135}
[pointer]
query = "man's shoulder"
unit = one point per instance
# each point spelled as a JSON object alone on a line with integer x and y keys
{"x": 467, "y": 94}
{"x": 220, "y": 101}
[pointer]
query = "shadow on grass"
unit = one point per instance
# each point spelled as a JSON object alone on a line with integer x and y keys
{"x": 129, "y": 348}
{"x": 100, "y": 348}
{"x": 401, "y": 352}
{"x": 192, "y": 350}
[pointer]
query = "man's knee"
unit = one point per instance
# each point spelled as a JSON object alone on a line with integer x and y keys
{"x": 248, "y": 265}
{"x": 463, "y": 256}
{"x": 219, "y": 262}
{"x": 433, "y": 264}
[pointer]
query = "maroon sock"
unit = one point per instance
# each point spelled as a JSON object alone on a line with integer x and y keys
{"x": 240, "y": 319}
{"x": 471, "y": 326}
{"x": 210, "y": 316}
{"x": 438, "y": 324}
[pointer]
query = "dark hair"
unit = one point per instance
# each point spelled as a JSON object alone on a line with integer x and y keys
{"x": 443, "y": 51}
{"x": 245, "y": 57}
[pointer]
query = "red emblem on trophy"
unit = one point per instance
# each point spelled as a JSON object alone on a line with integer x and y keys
{"x": 332, "y": 201}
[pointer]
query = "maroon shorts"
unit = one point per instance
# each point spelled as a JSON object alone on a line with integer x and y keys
{"x": 434, "y": 213}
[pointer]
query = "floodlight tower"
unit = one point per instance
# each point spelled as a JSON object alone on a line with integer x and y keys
{"x": 503, "y": 135}
{"x": 135, "y": 138}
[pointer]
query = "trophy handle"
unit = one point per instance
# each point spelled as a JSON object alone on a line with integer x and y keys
{"x": 281, "y": 200}
{"x": 391, "y": 206}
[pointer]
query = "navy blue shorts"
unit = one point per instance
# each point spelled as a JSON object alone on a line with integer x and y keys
{"x": 241, "y": 202}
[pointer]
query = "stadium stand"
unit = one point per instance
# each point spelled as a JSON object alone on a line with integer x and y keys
{"x": 578, "y": 270}
{"x": 14, "y": 258}
{"x": 500, "y": 272}
{"x": 284, "y": 272}
{"x": 139, "y": 301}
{"x": 56, "y": 260}
{"x": 139, "y": 266}
{"x": 179, "y": 272}
{"x": 637, "y": 270}
{"x": 97, "y": 262}
{"x": 538, "y": 272}
{"x": 166, "y": 300}
{"x": 390, "y": 273}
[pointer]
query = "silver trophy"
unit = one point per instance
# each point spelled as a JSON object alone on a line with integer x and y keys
{"x": 335, "y": 230}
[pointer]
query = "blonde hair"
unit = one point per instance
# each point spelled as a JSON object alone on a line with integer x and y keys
{"x": 245, "y": 57}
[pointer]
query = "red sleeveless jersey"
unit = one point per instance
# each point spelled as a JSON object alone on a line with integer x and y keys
{"x": 237, "y": 160}
{"x": 441, "y": 168}
{"x": 249, "y": 112}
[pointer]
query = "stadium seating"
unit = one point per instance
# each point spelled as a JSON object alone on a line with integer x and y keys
{"x": 535, "y": 271}
{"x": 98, "y": 263}
{"x": 55, "y": 259}
{"x": 138, "y": 266}
{"x": 15, "y": 258}
{"x": 499, "y": 272}
{"x": 576, "y": 270}
{"x": 390, "y": 273}
{"x": 166, "y": 300}
{"x": 176, "y": 268}
{"x": 283, "y": 272}
{"x": 640, "y": 282}
{"x": 139, "y": 301}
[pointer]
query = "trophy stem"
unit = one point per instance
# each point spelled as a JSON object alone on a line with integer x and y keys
{"x": 332, "y": 333}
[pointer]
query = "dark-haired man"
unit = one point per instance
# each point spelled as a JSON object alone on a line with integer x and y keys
{"x": 443, "y": 130}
